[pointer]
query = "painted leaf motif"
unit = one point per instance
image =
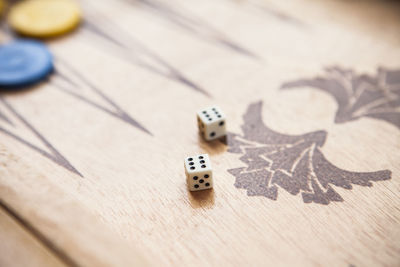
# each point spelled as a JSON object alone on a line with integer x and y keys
{"x": 294, "y": 163}
{"x": 359, "y": 96}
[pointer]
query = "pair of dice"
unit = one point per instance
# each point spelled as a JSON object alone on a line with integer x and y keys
{"x": 211, "y": 123}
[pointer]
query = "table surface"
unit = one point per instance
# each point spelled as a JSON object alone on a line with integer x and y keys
{"x": 91, "y": 160}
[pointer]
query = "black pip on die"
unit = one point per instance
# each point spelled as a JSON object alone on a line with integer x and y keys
{"x": 198, "y": 172}
{"x": 211, "y": 122}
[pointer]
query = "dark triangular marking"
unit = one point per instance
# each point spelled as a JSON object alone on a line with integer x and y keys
{"x": 116, "y": 110}
{"x": 195, "y": 26}
{"x": 133, "y": 51}
{"x": 274, "y": 12}
{"x": 51, "y": 154}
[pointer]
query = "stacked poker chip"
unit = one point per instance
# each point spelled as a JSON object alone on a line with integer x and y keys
{"x": 28, "y": 61}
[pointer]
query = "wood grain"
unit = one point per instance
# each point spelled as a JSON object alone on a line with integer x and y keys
{"x": 20, "y": 248}
{"x": 92, "y": 159}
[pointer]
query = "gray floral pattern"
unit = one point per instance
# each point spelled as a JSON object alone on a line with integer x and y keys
{"x": 357, "y": 95}
{"x": 294, "y": 163}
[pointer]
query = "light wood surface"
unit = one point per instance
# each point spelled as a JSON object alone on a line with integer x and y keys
{"x": 91, "y": 161}
{"x": 20, "y": 248}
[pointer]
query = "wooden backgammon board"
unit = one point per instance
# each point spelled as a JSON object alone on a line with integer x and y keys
{"x": 91, "y": 160}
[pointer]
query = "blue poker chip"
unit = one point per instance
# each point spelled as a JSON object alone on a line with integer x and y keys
{"x": 23, "y": 63}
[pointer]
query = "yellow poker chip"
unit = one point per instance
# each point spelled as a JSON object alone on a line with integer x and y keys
{"x": 44, "y": 18}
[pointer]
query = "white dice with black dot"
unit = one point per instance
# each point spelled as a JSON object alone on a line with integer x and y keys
{"x": 211, "y": 123}
{"x": 198, "y": 172}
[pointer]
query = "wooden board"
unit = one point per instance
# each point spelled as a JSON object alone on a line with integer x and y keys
{"x": 91, "y": 161}
{"x": 19, "y": 248}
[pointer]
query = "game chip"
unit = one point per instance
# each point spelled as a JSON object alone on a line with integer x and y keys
{"x": 44, "y": 18}
{"x": 23, "y": 63}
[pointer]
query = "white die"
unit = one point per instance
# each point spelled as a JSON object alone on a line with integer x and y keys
{"x": 198, "y": 172}
{"x": 211, "y": 123}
